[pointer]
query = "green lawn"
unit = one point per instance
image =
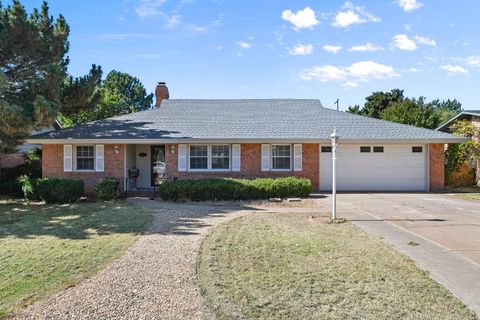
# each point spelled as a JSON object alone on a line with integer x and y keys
{"x": 46, "y": 248}
{"x": 283, "y": 266}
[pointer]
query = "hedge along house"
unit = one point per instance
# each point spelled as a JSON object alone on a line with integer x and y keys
{"x": 191, "y": 139}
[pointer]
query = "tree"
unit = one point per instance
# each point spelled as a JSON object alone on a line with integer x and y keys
{"x": 80, "y": 95}
{"x": 32, "y": 69}
{"x": 446, "y": 109}
{"x": 123, "y": 93}
{"x": 413, "y": 112}
{"x": 377, "y": 102}
{"x": 355, "y": 109}
{"x": 119, "y": 93}
{"x": 468, "y": 152}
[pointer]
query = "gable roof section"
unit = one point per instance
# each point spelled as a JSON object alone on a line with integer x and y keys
{"x": 465, "y": 114}
{"x": 243, "y": 120}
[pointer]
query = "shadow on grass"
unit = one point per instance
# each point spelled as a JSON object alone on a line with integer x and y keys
{"x": 84, "y": 220}
{"x": 73, "y": 221}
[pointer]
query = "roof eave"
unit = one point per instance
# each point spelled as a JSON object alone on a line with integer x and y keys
{"x": 244, "y": 140}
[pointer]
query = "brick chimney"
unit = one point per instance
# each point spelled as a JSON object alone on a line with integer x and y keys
{"x": 161, "y": 92}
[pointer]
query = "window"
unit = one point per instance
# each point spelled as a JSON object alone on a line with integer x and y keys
{"x": 206, "y": 157}
{"x": 365, "y": 149}
{"x": 221, "y": 157}
{"x": 326, "y": 149}
{"x": 199, "y": 157}
{"x": 85, "y": 158}
{"x": 378, "y": 149}
{"x": 281, "y": 157}
{"x": 417, "y": 149}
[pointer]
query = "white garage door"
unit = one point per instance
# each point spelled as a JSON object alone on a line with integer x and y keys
{"x": 396, "y": 167}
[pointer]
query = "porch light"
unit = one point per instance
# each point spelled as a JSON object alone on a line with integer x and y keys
{"x": 115, "y": 149}
{"x": 334, "y": 138}
{"x": 172, "y": 149}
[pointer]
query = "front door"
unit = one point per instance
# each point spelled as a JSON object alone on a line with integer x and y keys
{"x": 157, "y": 163}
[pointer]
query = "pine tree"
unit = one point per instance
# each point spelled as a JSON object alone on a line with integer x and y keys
{"x": 33, "y": 66}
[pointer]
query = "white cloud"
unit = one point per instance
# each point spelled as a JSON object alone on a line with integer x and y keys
{"x": 206, "y": 28}
{"x": 403, "y": 42}
{"x": 173, "y": 21}
{"x": 409, "y": 5}
{"x": 332, "y": 48}
{"x": 453, "y": 69}
{"x": 408, "y": 26}
{"x": 473, "y": 61}
{"x": 301, "y": 50}
{"x": 351, "y": 14}
{"x": 366, "y": 47}
{"x": 244, "y": 44}
{"x": 426, "y": 41}
{"x": 303, "y": 19}
{"x": 149, "y": 8}
{"x": 350, "y": 76}
{"x": 413, "y": 70}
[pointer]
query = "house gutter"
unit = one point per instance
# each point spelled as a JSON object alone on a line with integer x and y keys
{"x": 452, "y": 139}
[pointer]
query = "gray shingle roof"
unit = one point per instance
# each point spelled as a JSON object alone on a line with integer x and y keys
{"x": 265, "y": 119}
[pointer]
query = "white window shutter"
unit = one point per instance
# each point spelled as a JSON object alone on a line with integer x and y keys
{"x": 67, "y": 157}
{"x": 99, "y": 158}
{"x": 265, "y": 157}
{"x": 182, "y": 157}
{"x": 297, "y": 157}
{"x": 236, "y": 156}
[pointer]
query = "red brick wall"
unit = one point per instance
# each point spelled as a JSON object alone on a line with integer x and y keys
{"x": 251, "y": 165}
{"x": 52, "y": 166}
{"x": 437, "y": 166}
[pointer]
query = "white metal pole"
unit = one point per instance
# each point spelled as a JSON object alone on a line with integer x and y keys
{"x": 334, "y": 180}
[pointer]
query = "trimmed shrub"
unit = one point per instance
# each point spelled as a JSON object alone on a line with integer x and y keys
{"x": 107, "y": 189}
{"x": 235, "y": 189}
{"x": 56, "y": 190}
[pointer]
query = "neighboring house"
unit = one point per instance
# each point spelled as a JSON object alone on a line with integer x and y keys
{"x": 13, "y": 160}
{"x": 191, "y": 139}
{"x": 474, "y": 117}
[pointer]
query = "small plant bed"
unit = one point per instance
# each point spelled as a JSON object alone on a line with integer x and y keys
{"x": 283, "y": 266}
{"x": 235, "y": 189}
{"x": 47, "y": 248}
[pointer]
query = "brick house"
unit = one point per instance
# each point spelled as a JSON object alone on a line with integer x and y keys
{"x": 190, "y": 139}
{"x": 474, "y": 117}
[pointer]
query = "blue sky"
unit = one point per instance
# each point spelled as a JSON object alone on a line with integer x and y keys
{"x": 282, "y": 49}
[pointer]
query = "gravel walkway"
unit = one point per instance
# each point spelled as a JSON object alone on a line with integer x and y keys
{"x": 155, "y": 279}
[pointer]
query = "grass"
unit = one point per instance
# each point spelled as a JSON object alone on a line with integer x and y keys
{"x": 47, "y": 248}
{"x": 283, "y": 266}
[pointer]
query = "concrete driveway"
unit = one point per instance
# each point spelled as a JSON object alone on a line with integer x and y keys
{"x": 441, "y": 233}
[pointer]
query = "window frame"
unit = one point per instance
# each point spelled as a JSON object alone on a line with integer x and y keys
{"x": 382, "y": 149}
{"x": 209, "y": 158}
{"x": 75, "y": 158}
{"x": 328, "y": 148}
{"x": 284, "y": 157}
{"x": 190, "y": 156}
{"x": 369, "y": 149}
{"x": 421, "y": 149}
{"x": 210, "y": 155}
